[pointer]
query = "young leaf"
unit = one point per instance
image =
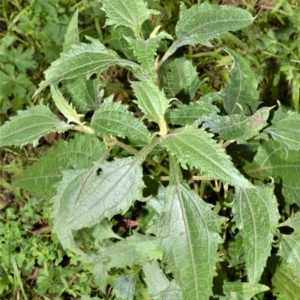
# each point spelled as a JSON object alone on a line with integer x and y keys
{"x": 189, "y": 114}
{"x": 188, "y": 232}
{"x": 243, "y": 290}
{"x": 236, "y": 253}
{"x": 241, "y": 91}
{"x": 152, "y": 102}
{"x": 85, "y": 197}
{"x": 130, "y": 13}
{"x": 201, "y": 23}
{"x": 289, "y": 249}
{"x": 286, "y": 282}
{"x": 84, "y": 94}
{"x": 285, "y": 127}
{"x": 256, "y": 215}
{"x": 41, "y": 177}
{"x": 158, "y": 285}
{"x": 196, "y": 147}
{"x": 113, "y": 118}
{"x": 72, "y": 34}
{"x": 237, "y": 127}
{"x": 86, "y": 60}
{"x": 64, "y": 107}
{"x": 179, "y": 76}
{"x": 272, "y": 161}
{"x": 30, "y": 125}
{"x": 145, "y": 52}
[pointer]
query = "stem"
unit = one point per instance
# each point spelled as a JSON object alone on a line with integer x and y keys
{"x": 84, "y": 128}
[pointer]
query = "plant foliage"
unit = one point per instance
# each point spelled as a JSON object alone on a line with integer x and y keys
{"x": 204, "y": 179}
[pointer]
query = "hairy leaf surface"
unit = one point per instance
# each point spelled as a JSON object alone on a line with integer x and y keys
{"x": 113, "y": 118}
{"x": 201, "y": 23}
{"x": 84, "y": 197}
{"x": 283, "y": 165}
{"x": 86, "y": 60}
{"x": 179, "y": 75}
{"x": 256, "y": 215}
{"x": 189, "y": 114}
{"x": 188, "y": 231}
{"x": 153, "y": 103}
{"x": 195, "y": 147}
{"x": 125, "y": 287}
{"x": 30, "y": 125}
{"x": 72, "y": 34}
{"x": 241, "y": 91}
{"x": 41, "y": 177}
{"x": 128, "y": 13}
{"x": 285, "y": 128}
{"x": 237, "y": 127}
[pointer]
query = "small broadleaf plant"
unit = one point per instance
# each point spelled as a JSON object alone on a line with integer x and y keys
{"x": 199, "y": 181}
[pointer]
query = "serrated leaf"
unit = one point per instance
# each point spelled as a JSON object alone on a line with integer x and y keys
{"x": 85, "y": 94}
{"x": 153, "y": 103}
{"x": 241, "y": 91}
{"x": 29, "y": 126}
{"x": 72, "y": 34}
{"x": 286, "y": 282}
{"x": 113, "y": 118}
{"x": 119, "y": 42}
{"x": 243, "y": 290}
{"x": 86, "y": 60}
{"x": 272, "y": 161}
{"x": 289, "y": 249}
{"x": 293, "y": 221}
{"x": 145, "y": 52}
{"x": 188, "y": 232}
{"x": 256, "y": 215}
{"x": 84, "y": 197}
{"x": 179, "y": 76}
{"x": 129, "y": 13}
{"x": 236, "y": 253}
{"x": 158, "y": 285}
{"x": 41, "y": 177}
{"x": 64, "y": 107}
{"x": 125, "y": 287}
{"x": 189, "y": 114}
{"x": 122, "y": 254}
{"x": 285, "y": 128}
{"x": 201, "y": 23}
{"x": 237, "y": 127}
{"x": 196, "y": 147}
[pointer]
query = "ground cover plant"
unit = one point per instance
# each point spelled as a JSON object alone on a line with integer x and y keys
{"x": 160, "y": 193}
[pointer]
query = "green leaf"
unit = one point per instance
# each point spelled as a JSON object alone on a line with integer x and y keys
{"x": 243, "y": 290}
{"x": 286, "y": 282}
{"x": 189, "y": 114}
{"x": 123, "y": 254}
{"x": 236, "y": 253}
{"x": 125, "y": 287}
{"x": 113, "y": 118}
{"x": 241, "y": 91}
{"x": 85, "y": 94}
{"x": 41, "y": 177}
{"x": 30, "y": 125}
{"x": 293, "y": 221}
{"x": 285, "y": 127}
{"x": 72, "y": 34}
{"x": 86, "y": 60}
{"x": 256, "y": 215}
{"x": 289, "y": 249}
{"x": 85, "y": 197}
{"x": 188, "y": 232}
{"x": 237, "y": 127}
{"x": 179, "y": 76}
{"x": 145, "y": 52}
{"x": 158, "y": 285}
{"x": 282, "y": 165}
{"x": 130, "y": 13}
{"x": 196, "y": 147}
{"x": 64, "y": 107}
{"x": 201, "y": 23}
{"x": 153, "y": 103}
